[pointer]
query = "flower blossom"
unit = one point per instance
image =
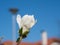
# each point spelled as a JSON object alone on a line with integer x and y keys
{"x": 26, "y": 22}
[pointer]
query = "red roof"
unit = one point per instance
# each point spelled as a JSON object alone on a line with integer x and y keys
{"x": 51, "y": 40}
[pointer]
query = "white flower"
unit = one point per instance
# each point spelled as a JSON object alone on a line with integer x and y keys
{"x": 18, "y": 19}
{"x": 27, "y": 21}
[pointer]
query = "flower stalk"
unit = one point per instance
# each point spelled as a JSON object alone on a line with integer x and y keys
{"x": 25, "y": 23}
{"x": 18, "y": 43}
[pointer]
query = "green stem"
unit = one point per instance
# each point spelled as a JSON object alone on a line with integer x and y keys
{"x": 18, "y": 43}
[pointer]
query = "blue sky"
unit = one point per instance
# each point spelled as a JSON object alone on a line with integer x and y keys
{"x": 47, "y": 13}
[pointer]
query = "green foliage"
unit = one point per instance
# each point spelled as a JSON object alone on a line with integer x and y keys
{"x": 18, "y": 39}
{"x": 25, "y": 34}
{"x": 20, "y": 32}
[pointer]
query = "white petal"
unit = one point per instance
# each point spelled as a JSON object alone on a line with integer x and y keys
{"x": 28, "y": 21}
{"x": 24, "y": 30}
{"x": 19, "y": 20}
{"x": 33, "y": 21}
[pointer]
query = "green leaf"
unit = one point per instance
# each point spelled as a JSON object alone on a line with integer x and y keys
{"x": 18, "y": 39}
{"x": 20, "y": 31}
{"x": 25, "y": 34}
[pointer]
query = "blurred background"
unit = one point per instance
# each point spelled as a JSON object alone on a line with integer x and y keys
{"x": 47, "y": 13}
